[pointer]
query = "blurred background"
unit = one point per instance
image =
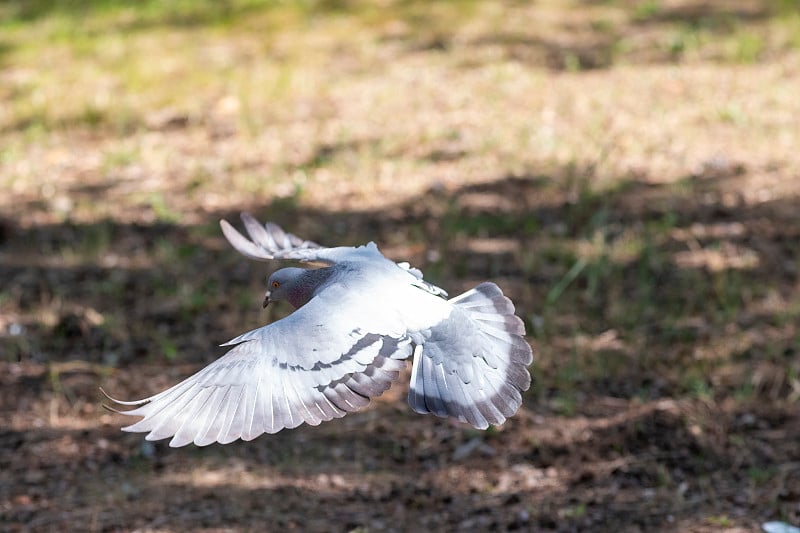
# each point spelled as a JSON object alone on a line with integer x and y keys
{"x": 626, "y": 170}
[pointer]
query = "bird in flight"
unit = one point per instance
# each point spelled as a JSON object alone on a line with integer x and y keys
{"x": 358, "y": 317}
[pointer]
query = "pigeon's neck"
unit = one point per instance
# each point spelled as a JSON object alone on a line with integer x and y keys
{"x": 306, "y": 285}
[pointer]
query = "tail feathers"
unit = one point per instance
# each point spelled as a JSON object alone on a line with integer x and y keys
{"x": 494, "y": 314}
{"x": 473, "y": 366}
{"x": 487, "y": 304}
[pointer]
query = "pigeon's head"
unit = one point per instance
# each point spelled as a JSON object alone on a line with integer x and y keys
{"x": 295, "y": 285}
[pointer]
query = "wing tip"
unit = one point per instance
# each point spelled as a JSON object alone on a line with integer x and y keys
{"x": 121, "y": 402}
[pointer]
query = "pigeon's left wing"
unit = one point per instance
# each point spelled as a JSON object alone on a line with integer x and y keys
{"x": 327, "y": 358}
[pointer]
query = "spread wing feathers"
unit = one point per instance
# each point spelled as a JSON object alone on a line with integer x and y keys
{"x": 321, "y": 334}
{"x": 246, "y": 393}
{"x": 473, "y": 365}
{"x": 269, "y": 241}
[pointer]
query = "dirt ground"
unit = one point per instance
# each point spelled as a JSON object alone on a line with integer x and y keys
{"x": 618, "y": 459}
{"x": 639, "y": 203}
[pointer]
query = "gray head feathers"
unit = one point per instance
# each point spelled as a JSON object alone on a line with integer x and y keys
{"x": 295, "y": 285}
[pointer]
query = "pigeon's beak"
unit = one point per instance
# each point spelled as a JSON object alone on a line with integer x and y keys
{"x": 266, "y": 300}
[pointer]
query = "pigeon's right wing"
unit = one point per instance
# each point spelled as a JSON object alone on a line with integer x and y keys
{"x": 269, "y": 241}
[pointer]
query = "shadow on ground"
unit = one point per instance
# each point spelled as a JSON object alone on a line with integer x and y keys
{"x": 664, "y": 321}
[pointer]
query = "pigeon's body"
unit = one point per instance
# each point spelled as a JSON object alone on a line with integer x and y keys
{"x": 358, "y": 319}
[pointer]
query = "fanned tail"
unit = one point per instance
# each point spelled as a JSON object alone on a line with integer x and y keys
{"x": 474, "y": 366}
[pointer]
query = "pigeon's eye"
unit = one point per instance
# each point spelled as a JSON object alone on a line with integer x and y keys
{"x": 275, "y": 284}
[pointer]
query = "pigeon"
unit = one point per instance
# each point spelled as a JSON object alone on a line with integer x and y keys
{"x": 358, "y": 317}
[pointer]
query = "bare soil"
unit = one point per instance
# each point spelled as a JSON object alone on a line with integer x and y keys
{"x": 633, "y": 453}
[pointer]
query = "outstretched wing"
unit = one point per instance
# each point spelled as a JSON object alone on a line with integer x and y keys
{"x": 319, "y": 363}
{"x": 269, "y": 241}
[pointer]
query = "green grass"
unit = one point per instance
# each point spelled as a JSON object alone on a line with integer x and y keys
{"x": 108, "y": 47}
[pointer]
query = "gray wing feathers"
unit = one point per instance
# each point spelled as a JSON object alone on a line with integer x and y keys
{"x": 314, "y": 337}
{"x": 376, "y": 378}
{"x": 311, "y": 366}
{"x": 244, "y": 394}
{"x": 473, "y": 366}
{"x": 269, "y": 241}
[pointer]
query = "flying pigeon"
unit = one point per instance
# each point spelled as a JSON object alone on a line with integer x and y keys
{"x": 358, "y": 317}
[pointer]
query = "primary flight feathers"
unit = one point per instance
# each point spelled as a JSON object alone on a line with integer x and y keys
{"x": 358, "y": 318}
